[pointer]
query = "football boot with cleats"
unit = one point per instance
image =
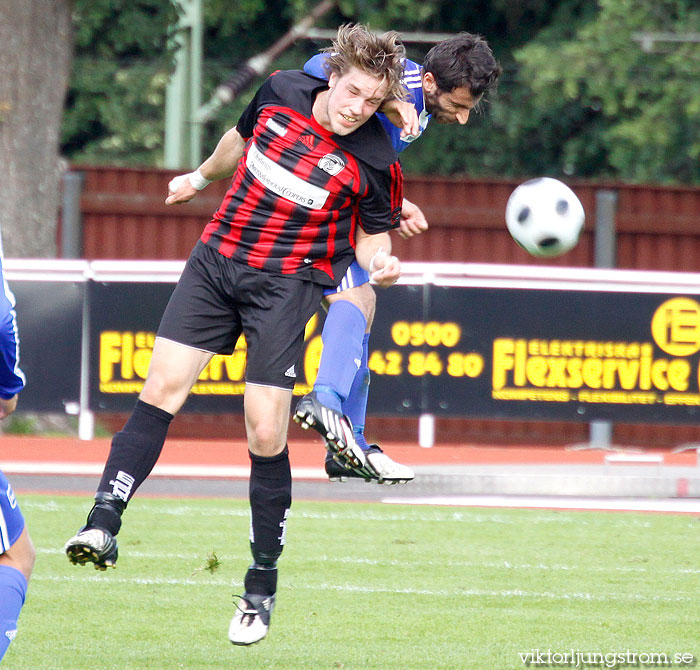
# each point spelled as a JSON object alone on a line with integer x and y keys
{"x": 92, "y": 545}
{"x": 336, "y": 431}
{"x": 387, "y": 471}
{"x": 251, "y": 621}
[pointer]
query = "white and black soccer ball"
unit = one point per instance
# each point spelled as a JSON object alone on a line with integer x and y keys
{"x": 545, "y": 217}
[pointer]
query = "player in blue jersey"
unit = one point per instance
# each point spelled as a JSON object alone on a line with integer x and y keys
{"x": 455, "y": 75}
{"x": 16, "y": 549}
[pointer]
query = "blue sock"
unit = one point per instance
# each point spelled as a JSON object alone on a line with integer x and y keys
{"x": 13, "y": 588}
{"x": 342, "y": 353}
{"x": 356, "y": 404}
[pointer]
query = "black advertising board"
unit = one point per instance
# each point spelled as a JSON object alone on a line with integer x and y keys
{"x": 124, "y": 318}
{"x": 481, "y": 352}
{"x": 50, "y": 324}
{"x": 547, "y": 354}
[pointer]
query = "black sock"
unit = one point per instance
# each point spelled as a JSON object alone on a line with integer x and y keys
{"x": 135, "y": 450}
{"x": 106, "y": 513}
{"x": 270, "y": 494}
{"x": 261, "y": 581}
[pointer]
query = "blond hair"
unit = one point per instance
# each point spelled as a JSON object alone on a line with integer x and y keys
{"x": 378, "y": 55}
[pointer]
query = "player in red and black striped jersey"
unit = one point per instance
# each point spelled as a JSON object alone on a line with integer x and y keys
{"x": 301, "y": 191}
{"x": 316, "y": 184}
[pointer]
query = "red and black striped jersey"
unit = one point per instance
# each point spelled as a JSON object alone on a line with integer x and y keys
{"x": 300, "y": 191}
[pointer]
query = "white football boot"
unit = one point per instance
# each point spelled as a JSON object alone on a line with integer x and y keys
{"x": 251, "y": 621}
{"x": 386, "y": 470}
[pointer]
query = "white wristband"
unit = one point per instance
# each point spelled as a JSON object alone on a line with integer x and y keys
{"x": 198, "y": 180}
{"x": 374, "y": 258}
{"x": 176, "y": 182}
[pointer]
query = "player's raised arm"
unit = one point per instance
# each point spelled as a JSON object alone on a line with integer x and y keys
{"x": 222, "y": 163}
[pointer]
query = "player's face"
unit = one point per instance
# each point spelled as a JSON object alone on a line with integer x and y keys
{"x": 350, "y": 100}
{"x": 447, "y": 108}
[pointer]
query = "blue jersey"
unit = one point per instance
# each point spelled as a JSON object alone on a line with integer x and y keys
{"x": 414, "y": 87}
{"x": 11, "y": 377}
{"x": 11, "y": 520}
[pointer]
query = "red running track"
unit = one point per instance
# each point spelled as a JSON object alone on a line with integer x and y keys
{"x": 308, "y": 453}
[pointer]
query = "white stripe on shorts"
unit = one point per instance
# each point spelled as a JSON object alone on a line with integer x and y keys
{"x": 4, "y": 534}
{"x": 346, "y": 282}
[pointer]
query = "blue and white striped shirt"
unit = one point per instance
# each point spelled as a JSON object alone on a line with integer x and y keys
{"x": 412, "y": 84}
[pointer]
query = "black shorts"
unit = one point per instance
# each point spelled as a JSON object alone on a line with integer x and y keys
{"x": 217, "y": 299}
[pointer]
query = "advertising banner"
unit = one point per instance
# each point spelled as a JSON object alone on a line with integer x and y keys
{"x": 541, "y": 354}
{"x": 564, "y": 355}
{"x": 50, "y": 323}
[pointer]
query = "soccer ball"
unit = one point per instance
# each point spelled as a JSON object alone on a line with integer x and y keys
{"x": 545, "y": 217}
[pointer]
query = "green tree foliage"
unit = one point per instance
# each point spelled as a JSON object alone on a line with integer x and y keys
{"x": 444, "y": 150}
{"x": 114, "y": 111}
{"x": 122, "y": 61}
{"x": 579, "y": 96}
{"x": 623, "y": 111}
{"x": 232, "y": 37}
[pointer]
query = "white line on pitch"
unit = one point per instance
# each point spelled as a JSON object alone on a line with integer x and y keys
{"x": 676, "y": 505}
{"x": 459, "y": 593}
{"x": 350, "y": 512}
{"x": 354, "y": 560}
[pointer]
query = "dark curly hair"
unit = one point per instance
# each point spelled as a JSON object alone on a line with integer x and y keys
{"x": 464, "y": 60}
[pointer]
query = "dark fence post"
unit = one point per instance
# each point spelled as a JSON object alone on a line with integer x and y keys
{"x": 605, "y": 256}
{"x": 605, "y": 242}
{"x": 71, "y": 222}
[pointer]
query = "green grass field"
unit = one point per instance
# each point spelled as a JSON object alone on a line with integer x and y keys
{"x": 362, "y": 586}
